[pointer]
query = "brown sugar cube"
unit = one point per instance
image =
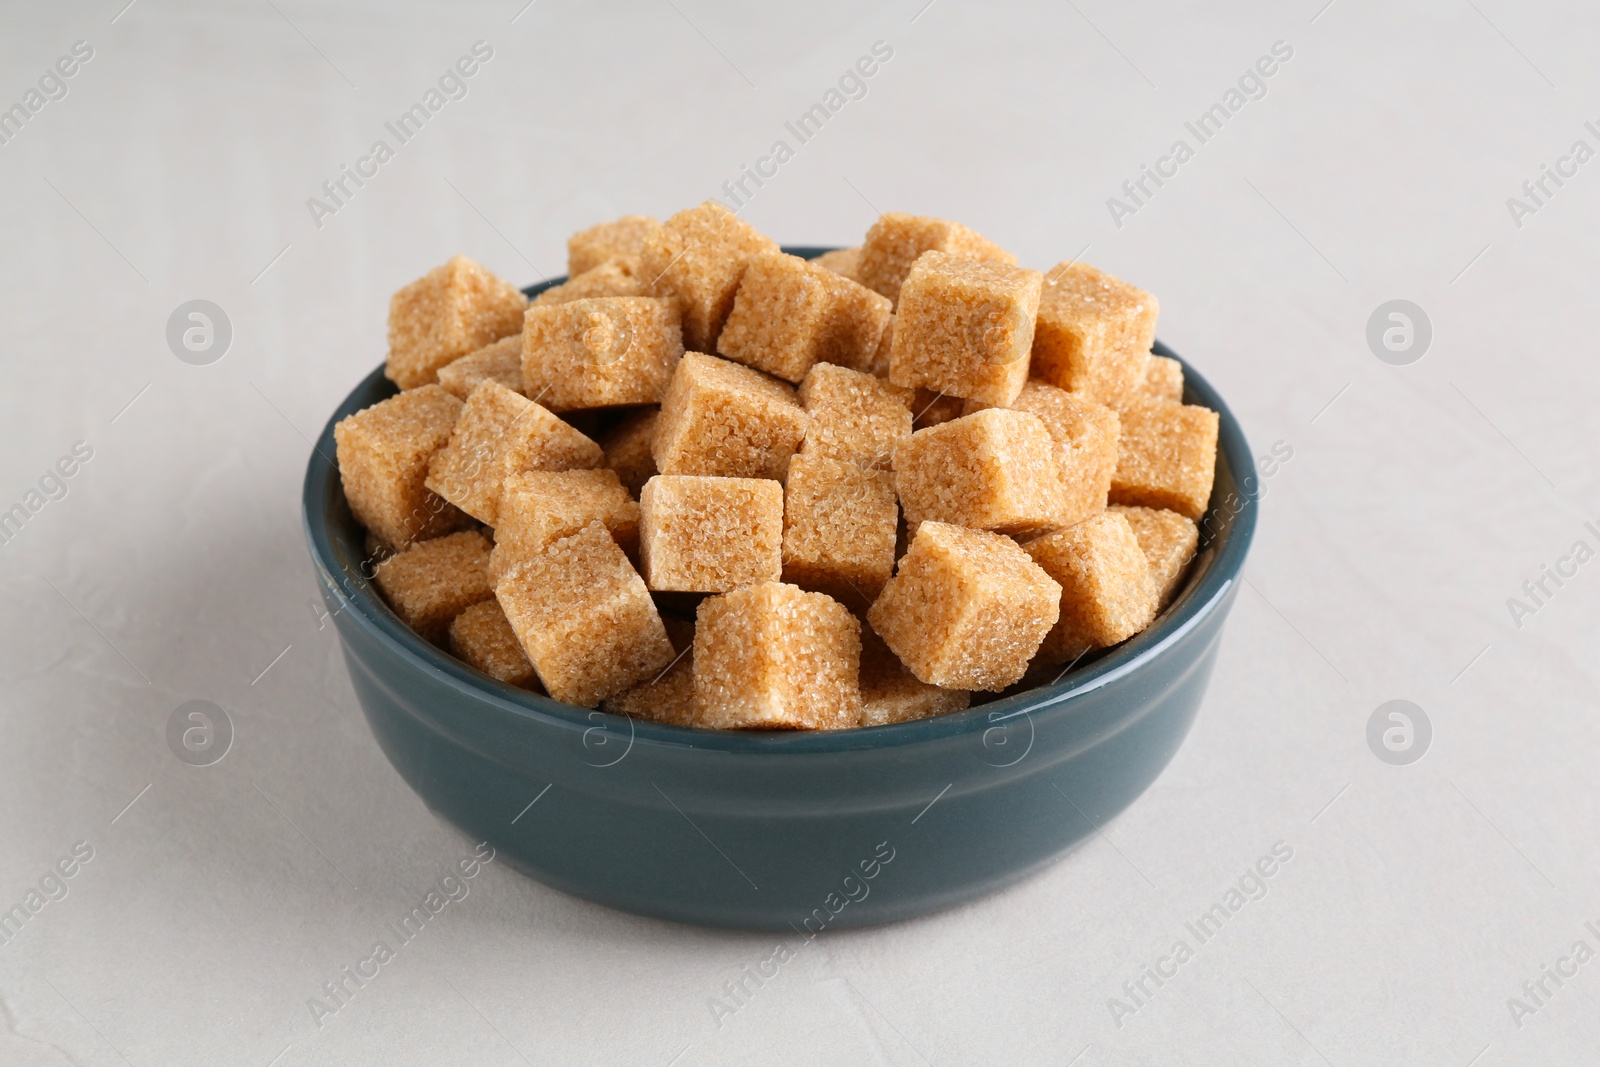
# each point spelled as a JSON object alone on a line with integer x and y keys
{"x": 587, "y": 249}
{"x": 858, "y": 318}
{"x": 839, "y": 524}
{"x": 891, "y": 693}
{"x": 669, "y": 696}
{"x": 966, "y": 609}
{"x": 719, "y": 418}
{"x": 601, "y": 352}
{"x": 500, "y": 361}
{"x": 583, "y": 616}
{"x": 780, "y": 316}
{"x": 991, "y": 470}
{"x": 845, "y": 262}
{"x": 773, "y": 657}
{"x": 710, "y": 535}
{"x": 383, "y": 463}
{"x": 1093, "y": 333}
{"x": 929, "y": 408}
{"x": 964, "y": 327}
{"x": 539, "y": 508}
{"x": 1169, "y": 541}
{"x": 853, "y": 416}
{"x": 432, "y": 582}
{"x": 789, "y": 314}
{"x": 1163, "y": 378}
{"x": 617, "y": 276}
{"x": 482, "y": 638}
{"x": 501, "y": 433}
{"x": 895, "y": 241}
{"x": 627, "y": 448}
{"x": 1107, "y": 593}
{"x": 1166, "y": 457}
{"x": 448, "y": 312}
{"x": 698, "y": 256}
{"x": 1085, "y": 434}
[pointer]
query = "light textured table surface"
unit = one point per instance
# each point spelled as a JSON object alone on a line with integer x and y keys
{"x": 1419, "y": 498}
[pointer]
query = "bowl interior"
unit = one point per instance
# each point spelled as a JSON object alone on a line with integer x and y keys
{"x": 337, "y": 547}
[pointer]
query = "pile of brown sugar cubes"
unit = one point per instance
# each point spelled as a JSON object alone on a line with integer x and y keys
{"x": 709, "y": 484}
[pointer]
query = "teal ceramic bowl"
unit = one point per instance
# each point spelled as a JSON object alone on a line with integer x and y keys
{"x": 782, "y": 831}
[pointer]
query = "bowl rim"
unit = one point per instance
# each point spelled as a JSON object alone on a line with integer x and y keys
{"x": 1204, "y": 594}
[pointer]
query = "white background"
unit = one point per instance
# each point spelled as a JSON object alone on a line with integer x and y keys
{"x": 1418, "y": 499}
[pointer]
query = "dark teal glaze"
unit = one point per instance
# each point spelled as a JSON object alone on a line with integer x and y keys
{"x": 779, "y": 831}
